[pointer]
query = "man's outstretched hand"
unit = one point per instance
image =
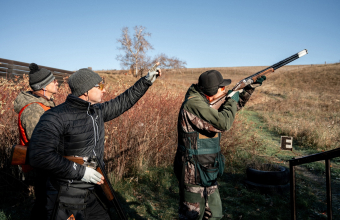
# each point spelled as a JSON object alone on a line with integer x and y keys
{"x": 152, "y": 75}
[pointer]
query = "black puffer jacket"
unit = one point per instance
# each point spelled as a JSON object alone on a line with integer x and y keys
{"x": 76, "y": 128}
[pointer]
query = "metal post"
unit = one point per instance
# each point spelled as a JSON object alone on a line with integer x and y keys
{"x": 292, "y": 191}
{"x": 329, "y": 190}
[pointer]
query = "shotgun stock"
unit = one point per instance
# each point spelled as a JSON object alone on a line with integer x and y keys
{"x": 18, "y": 157}
{"x": 251, "y": 79}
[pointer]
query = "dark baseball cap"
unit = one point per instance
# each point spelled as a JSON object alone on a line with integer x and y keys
{"x": 210, "y": 81}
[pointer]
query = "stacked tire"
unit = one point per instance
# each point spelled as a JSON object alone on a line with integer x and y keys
{"x": 269, "y": 182}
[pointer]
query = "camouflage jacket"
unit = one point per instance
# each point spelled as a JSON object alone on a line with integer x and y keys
{"x": 31, "y": 115}
{"x": 196, "y": 115}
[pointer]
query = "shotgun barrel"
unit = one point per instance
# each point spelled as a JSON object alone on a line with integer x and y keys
{"x": 276, "y": 65}
{"x": 251, "y": 79}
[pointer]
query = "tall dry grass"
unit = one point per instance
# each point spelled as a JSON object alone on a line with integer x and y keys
{"x": 304, "y": 104}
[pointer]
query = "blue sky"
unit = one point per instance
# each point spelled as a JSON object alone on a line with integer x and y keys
{"x": 76, "y": 34}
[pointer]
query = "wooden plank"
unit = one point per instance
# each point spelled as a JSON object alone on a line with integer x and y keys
{"x": 3, "y": 70}
{"x": 316, "y": 157}
{"x": 20, "y": 72}
{"x": 292, "y": 192}
{"x": 329, "y": 189}
{"x": 14, "y": 66}
{"x": 57, "y": 70}
{"x": 27, "y": 65}
{"x": 60, "y": 74}
{"x": 5, "y": 65}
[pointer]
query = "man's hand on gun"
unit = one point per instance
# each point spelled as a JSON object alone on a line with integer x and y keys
{"x": 258, "y": 82}
{"x": 235, "y": 95}
{"x": 92, "y": 176}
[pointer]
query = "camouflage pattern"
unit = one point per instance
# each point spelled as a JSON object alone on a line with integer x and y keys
{"x": 244, "y": 97}
{"x": 200, "y": 190}
{"x": 192, "y": 210}
{"x": 189, "y": 119}
{"x": 189, "y": 176}
{"x": 194, "y": 117}
{"x": 31, "y": 115}
{"x": 188, "y": 211}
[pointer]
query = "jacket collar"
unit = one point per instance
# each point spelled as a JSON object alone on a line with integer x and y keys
{"x": 78, "y": 102}
{"x": 195, "y": 91}
{"x": 36, "y": 94}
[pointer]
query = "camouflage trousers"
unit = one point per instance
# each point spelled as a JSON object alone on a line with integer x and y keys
{"x": 198, "y": 203}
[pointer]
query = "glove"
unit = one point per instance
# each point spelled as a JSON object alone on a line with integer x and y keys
{"x": 91, "y": 176}
{"x": 258, "y": 82}
{"x": 236, "y": 95}
{"x": 152, "y": 75}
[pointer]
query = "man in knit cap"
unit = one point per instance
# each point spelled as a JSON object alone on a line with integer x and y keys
{"x": 30, "y": 105}
{"x": 76, "y": 128}
{"x": 43, "y": 86}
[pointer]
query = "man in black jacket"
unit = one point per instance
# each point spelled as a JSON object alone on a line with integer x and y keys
{"x": 76, "y": 128}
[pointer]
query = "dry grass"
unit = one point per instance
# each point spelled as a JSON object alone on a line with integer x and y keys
{"x": 304, "y": 104}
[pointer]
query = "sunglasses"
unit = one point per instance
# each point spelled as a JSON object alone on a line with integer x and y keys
{"x": 100, "y": 86}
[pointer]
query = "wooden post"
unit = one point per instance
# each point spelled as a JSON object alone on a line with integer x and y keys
{"x": 292, "y": 191}
{"x": 329, "y": 189}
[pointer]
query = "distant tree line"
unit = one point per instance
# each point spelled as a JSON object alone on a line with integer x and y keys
{"x": 135, "y": 56}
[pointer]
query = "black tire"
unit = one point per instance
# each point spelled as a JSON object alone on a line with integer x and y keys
{"x": 280, "y": 177}
{"x": 268, "y": 189}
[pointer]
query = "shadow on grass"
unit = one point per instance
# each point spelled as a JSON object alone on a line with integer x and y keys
{"x": 152, "y": 194}
{"x": 15, "y": 199}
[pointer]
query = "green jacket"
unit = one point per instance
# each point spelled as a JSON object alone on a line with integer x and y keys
{"x": 199, "y": 124}
{"x": 196, "y": 104}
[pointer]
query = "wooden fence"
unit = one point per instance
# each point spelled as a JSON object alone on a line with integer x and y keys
{"x": 326, "y": 156}
{"x": 10, "y": 68}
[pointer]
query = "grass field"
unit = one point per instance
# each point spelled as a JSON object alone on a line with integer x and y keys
{"x": 300, "y": 101}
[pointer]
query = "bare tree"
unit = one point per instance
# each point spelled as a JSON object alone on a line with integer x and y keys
{"x": 169, "y": 63}
{"x": 135, "y": 49}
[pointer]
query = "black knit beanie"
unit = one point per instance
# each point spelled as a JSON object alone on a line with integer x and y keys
{"x": 39, "y": 78}
{"x": 82, "y": 81}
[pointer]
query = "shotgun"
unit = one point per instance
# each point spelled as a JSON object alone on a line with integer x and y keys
{"x": 18, "y": 157}
{"x": 251, "y": 79}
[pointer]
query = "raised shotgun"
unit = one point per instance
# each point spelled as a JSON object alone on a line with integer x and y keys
{"x": 18, "y": 157}
{"x": 251, "y": 79}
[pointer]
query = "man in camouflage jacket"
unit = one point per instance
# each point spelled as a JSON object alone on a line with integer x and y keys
{"x": 198, "y": 161}
{"x": 43, "y": 85}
